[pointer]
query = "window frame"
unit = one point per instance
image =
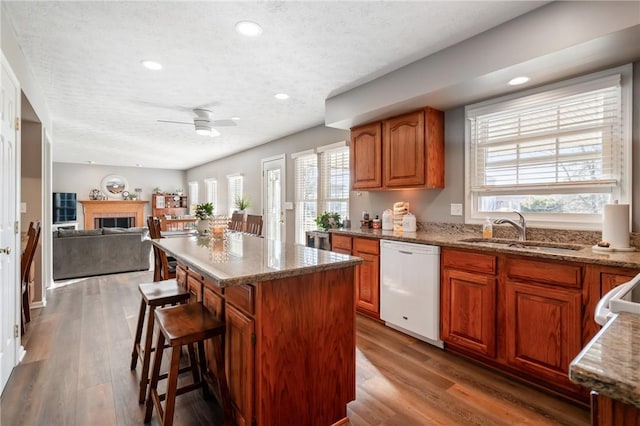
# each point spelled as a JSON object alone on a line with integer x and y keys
{"x": 232, "y": 197}
{"x": 623, "y": 189}
{"x": 211, "y": 192}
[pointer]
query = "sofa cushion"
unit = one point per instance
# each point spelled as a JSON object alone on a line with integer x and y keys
{"x": 62, "y": 233}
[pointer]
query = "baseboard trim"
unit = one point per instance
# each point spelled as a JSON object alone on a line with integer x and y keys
{"x": 38, "y": 304}
{"x": 21, "y": 354}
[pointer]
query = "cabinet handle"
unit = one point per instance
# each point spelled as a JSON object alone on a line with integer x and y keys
{"x": 5, "y": 250}
{"x": 405, "y": 252}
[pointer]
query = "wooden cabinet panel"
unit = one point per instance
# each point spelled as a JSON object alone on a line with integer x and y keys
{"x": 181, "y": 275}
{"x": 543, "y": 330}
{"x": 563, "y": 274}
{"x": 366, "y": 156}
{"x": 341, "y": 243}
{"x": 609, "y": 281}
{"x": 468, "y": 309}
{"x": 403, "y": 148}
{"x": 242, "y": 296}
{"x": 434, "y": 147}
{"x": 194, "y": 285}
{"x": 610, "y": 412}
{"x": 469, "y": 261}
{"x": 240, "y": 363}
{"x": 367, "y": 280}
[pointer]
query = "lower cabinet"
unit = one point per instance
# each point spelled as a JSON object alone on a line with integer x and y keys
{"x": 367, "y": 280}
{"x": 518, "y": 314}
{"x": 240, "y": 363}
{"x": 610, "y": 412}
{"x": 468, "y": 309}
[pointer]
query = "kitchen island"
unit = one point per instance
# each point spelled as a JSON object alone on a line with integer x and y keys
{"x": 290, "y": 318}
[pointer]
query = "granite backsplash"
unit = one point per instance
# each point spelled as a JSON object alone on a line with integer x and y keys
{"x": 533, "y": 234}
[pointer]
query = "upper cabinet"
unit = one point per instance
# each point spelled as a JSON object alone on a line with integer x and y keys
{"x": 406, "y": 151}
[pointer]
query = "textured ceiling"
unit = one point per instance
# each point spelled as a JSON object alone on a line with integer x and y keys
{"x": 104, "y": 104}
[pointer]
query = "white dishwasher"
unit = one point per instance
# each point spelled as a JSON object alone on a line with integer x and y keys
{"x": 410, "y": 289}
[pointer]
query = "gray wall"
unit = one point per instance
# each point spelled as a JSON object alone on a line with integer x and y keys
{"x": 82, "y": 178}
{"x": 248, "y": 163}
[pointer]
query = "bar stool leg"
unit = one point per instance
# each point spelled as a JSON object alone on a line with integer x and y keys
{"x": 203, "y": 370}
{"x": 172, "y": 384}
{"x": 152, "y": 395}
{"x": 136, "y": 341}
{"x": 146, "y": 359}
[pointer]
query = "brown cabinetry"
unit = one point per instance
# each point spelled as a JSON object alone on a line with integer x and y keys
{"x": 406, "y": 151}
{"x": 240, "y": 363}
{"x": 610, "y": 412}
{"x": 519, "y": 314}
{"x": 366, "y": 157}
{"x": 367, "y": 282}
{"x": 169, "y": 204}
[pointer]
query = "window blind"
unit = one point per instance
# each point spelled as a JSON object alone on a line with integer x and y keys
{"x": 306, "y": 194}
{"x": 566, "y": 139}
{"x": 335, "y": 182}
{"x": 211, "y": 188}
{"x": 235, "y": 191}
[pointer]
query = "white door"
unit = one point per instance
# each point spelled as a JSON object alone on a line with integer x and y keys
{"x": 273, "y": 191}
{"x": 9, "y": 243}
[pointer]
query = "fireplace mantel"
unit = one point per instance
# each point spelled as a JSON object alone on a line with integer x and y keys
{"x": 93, "y": 209}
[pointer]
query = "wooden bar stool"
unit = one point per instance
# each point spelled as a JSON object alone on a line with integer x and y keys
{"x": 156, "y": 294}
{"x": 187, "y": 325}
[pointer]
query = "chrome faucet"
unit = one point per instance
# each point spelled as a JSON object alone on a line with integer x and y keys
{"x": 520, "y": 227}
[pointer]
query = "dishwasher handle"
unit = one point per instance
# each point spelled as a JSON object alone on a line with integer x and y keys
{"x": 405, "y": 252}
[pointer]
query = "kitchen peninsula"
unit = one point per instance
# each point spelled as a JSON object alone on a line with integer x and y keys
{"x": 290, "y": 316}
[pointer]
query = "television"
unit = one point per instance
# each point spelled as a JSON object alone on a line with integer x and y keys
{"x": 64, "y": 207}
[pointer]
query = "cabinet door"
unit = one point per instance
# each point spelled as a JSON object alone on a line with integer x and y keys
{"x": 542, "y": 330}
{"x": 434, "y": 147}
{"x": 215, "y": 303}
{"x": 468, "y": 311}
{"x": 367, "y": 280}
{"x": 240, "y": 363}
{"x": 366, "y": 156}
{"x": 404, "y": 150}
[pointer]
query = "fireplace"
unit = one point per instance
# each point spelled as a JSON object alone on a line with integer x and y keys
{"x": 114, "y": 222}
{"x": 113, "y": 213}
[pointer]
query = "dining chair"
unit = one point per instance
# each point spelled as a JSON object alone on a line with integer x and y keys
{"x": 164, "y": 267}
{"x": 26, "y": 263}
{"x": 254, "y": 225}
{"x": 237, "y": 222}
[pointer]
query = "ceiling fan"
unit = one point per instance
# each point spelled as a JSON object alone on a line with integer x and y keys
{"x": 203, "y": 123}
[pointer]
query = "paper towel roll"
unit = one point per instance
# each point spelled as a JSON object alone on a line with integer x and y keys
{"x": 615, "y": 225}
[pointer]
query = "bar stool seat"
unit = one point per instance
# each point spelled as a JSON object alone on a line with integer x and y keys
{"x": 187, "y": 324}
{"x": 156, "y": 294}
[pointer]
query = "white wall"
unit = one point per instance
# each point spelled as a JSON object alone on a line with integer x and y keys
{"x": 248, "y": 163}
{"x": 82, "y": 178}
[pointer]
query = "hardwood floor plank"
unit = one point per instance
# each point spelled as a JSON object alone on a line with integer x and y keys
{"x": 76, "y": 372}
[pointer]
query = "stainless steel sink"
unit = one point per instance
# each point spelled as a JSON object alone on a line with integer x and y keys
{"x": 542, "y": 246}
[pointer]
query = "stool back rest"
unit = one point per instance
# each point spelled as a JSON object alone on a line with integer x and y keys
{"x": 237, "y": 222}
{"x": 33, "y": 237}
{"x": 160, "y": 262}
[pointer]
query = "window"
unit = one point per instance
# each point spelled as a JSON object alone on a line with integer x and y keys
{"x": 557, "y": 154}
{"x": 211, "y": 188}
{"x": 235, "y": 191}
{"x": 322, "y": 183}
{"x": 306, "y": 197}
{"x": 193, "y": 197}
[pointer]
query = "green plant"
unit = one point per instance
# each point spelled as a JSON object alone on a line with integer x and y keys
{"x": 242, "y": 203}
{"x": 204, "y": 211}
{"x": 329, "y": 220}
{"x": 156, "y": 190}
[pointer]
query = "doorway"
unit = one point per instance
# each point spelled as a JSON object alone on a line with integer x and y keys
{"x": 273, "y": 191}
{"x": 9, "y": 235}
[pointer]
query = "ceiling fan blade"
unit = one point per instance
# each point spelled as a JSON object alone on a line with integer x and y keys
{"x": 174, "y": 122}
{"x": 222, "y": 123}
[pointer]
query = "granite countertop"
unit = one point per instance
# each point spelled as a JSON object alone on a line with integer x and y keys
{"x": 242, "y": 259}
{"x": 452, "y": 237}
{"x": 609, "y": 363}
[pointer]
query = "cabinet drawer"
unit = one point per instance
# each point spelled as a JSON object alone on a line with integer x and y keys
{"x": 242, "y": 296}
{"x": 469, "y": 261}
{"x": 562, "y": 274}
{"x": 340, "y": 242}
{"x": 366, "y": 245}
{"x": 181, "y": 275}
{"x": 194, "y": 285}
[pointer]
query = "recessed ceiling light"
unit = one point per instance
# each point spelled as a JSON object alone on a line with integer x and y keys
{"x": 235, "y": 118}
{"x": 248, "y": 28}
{"x": 281, "y": 96}
{"x": 151, "y": 65}
{"x": 518, "y": 80}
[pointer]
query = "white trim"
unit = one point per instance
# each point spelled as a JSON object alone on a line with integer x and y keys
{"x": 273, "y": 158}
{"x": 331, "y": 146}
{"x": 302, "y": 153}
{"x": 234, "y": 175}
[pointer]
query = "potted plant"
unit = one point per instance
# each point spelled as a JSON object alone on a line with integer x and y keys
{"x": 242, "y": 203}
{"x": 204, "y": 212}
{"x": 328, "y": 220}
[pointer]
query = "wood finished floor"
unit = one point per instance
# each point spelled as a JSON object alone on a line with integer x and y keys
{"x": 76, "y": 372}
